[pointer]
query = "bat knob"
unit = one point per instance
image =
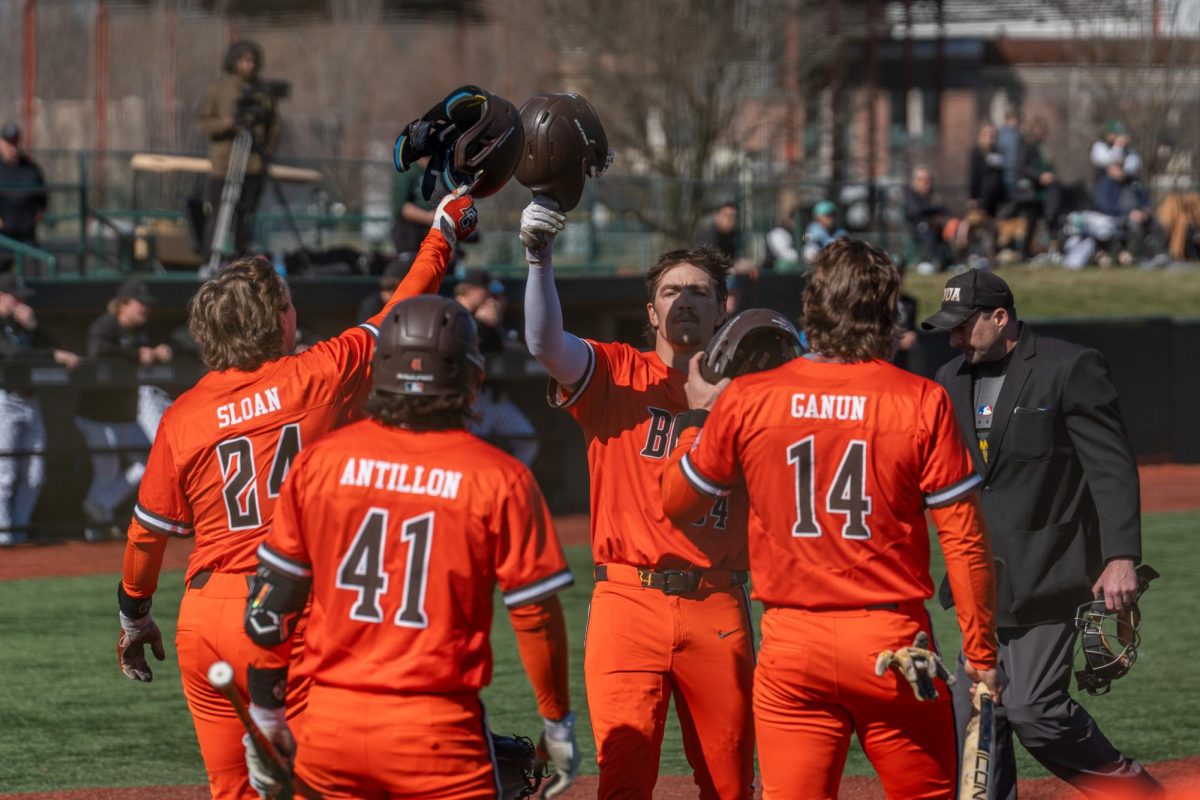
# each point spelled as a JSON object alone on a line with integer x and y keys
{"x": 220, "y": 674}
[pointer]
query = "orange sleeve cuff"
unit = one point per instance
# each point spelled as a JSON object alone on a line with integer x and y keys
{"x": 972, "y": 574}
{"x": 681, "y": 502}
{"x": 541, "y": 632}
{"x": 143, "y": 561}
{"x": 424, "y": 276}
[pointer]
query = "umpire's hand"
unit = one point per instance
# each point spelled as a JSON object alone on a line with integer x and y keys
{"x": 1118, "y": 584}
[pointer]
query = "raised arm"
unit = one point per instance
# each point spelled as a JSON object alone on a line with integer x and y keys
{"x": 564, "y": 355}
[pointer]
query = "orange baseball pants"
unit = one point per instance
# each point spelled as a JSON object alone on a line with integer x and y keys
{"x": 643, "y": 647}
{"x": 370, "y": 746}
{"x": 210, "y": 629}
{"x": 815, "y": 685}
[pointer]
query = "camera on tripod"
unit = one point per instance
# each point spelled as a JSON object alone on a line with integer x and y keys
{"x": 257, "y": 102}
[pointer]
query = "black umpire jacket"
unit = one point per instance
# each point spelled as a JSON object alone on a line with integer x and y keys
{"x": 1060, "y": 489}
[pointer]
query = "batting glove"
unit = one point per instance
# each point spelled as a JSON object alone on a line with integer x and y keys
{"x": 918, "y": 665}
{"x": 559, "y": 748}
{"x": 267, "y": 778}
{"x": 456, "y": 216}
{"x": 131, "y": 646}
{"x": 539, "y": 226}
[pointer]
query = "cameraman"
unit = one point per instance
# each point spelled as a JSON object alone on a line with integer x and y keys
{"x": 231, "y": 103}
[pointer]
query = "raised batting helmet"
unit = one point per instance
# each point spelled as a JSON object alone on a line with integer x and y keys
{"x": 514, "y": 762}
{"x": 427, "y": 347}
{"x": 751, "y": 341}
{"x": 1108, "y": 640}
{"x": 473, "y": 138}
{"x": 565, "y": 144}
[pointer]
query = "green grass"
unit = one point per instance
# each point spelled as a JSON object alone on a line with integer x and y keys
{"x": 1062, "y": 293}
{"x": 68, "y": 718}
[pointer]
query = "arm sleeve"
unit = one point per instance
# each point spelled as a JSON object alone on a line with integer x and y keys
{"x": 972, "y": 575}
{"x": 682, "y": 501}
{"x": 541, "y": 631}
{"x": 285, "y": 548}
{"x": 710, "y": 467}
{"x": 1094, "y": 424}
{"x": 143, "y": 561}
{"x": 947, "y": 474}
{"x": 162, "y": 507}
{"x": 530, "y": 565}
{"x": 564, "y": 355}
{"x": 424, "y": 276}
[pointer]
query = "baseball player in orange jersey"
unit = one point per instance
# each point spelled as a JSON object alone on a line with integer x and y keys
{"x": 842, "y": 454}
{"x": 669, "y": 616}
{"x": 402, "y": 525}
{"x": 219, "y": 462}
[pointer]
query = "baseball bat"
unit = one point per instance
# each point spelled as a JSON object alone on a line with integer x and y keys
{"x": 220, "y": 675}
{"x": 975, "y": 781}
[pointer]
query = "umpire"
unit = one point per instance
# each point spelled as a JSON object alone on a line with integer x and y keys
{"x": 1060, "y": 497}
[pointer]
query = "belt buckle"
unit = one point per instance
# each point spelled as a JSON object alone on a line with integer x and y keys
{"x": 679, "y": 581}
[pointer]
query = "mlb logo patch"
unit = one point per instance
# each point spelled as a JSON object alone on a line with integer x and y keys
{"x": 984, "y": 411}
{"x": 414, "y": 387}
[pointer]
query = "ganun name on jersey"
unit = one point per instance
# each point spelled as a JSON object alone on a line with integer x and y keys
{"x": 249, "y": 407}
{"x": 395, "y": 477}
{"x": 829, "y": 406}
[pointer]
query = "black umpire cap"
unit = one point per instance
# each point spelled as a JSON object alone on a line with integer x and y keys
{"x": 966, "y": 293}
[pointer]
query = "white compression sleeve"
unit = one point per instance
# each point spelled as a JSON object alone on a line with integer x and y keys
{"x": 564, "y": 355}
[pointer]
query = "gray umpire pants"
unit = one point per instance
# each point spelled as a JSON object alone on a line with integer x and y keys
{"x": 21, "y": 476}
{"x": 1057, "y": 731}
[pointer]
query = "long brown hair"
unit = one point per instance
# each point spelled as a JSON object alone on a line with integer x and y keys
{"x": 850, "y": 302}
{"x": 235, "y": 316}
{"x": 420, "y": 413}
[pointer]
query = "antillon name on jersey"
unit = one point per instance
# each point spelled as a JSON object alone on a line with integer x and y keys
{"x": 829, "y": 406}
{"x": 246, "y": 408}
{"x": 394, "y": 477}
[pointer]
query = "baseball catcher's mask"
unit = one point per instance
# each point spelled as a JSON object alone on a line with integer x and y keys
{"x": 752, "y": 341}
{"x": 514, "y": 762}
{"x": 428, "y": 347}
{"x": 473, "y": 138}
{"x": 1108, "y": 640}
{"x": 565, "y": 144}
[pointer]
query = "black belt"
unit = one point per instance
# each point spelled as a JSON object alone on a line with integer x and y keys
{"x": 671, "y": 581}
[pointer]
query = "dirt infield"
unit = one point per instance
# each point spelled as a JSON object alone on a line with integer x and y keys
{"x": 1165, "y": 487}
{"x": 1181, "y": 777}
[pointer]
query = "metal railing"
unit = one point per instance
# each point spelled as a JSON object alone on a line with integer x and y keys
{"x": 22, "y": 251}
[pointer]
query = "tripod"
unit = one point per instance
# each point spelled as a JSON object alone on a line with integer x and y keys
{"x": 231, "y": 193}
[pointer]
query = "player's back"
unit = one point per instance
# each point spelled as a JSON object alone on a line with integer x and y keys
{"x": 225, "y": 446}
{"x": 840, "y": 461}
{"x": 407, "y": 534}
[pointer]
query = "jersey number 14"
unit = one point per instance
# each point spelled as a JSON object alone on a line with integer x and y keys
{"x": 847, "y": 494}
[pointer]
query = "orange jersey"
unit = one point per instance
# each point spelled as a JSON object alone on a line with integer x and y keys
{"x": 841, "y": 461}
{"x": 225, "y": 446}
{"x": 627, "y": 405}
{"x": 405, "y": 535}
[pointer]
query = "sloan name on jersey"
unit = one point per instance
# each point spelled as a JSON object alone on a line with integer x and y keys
{"x": 249, "y": 407}
{"x": 394, "y": 477}
{"x": 829, "y": 406}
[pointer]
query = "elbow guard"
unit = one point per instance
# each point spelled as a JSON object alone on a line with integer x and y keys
{"x": 274, "y": 606}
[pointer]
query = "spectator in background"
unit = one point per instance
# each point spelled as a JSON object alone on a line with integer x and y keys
{"x": 782, "y": 254}
{"x": 1113, "y": 147}
{"x": 373, "y": 303}
{"x": 926, "y": 216}
{"x": 1121, "y": 197}
{"x": 986, "y": 190}
{"x": 22, "y": 432}
{"x": 413, "y": 214}
{"x": 497, "y": 417}
{"x": 1008, "y": 144}
{"x": 821, "y": 231}
{"x": 219, "y": 119}
{"x": 21, "y": 209}
{"x": 1038, "y": 194}
{"x": 720, "y": 232}
{"x": 108, "y": 416}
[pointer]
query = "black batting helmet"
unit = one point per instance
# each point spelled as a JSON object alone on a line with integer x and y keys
{"x": 428, "y": 347}
{"x": 1108, "y": 640}
{"x": 752, "y": 341}
{"x": 473, "y": 138}
{"x": 565, "y": 144}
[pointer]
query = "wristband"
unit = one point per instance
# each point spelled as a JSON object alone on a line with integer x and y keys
{"x": 132, "y": 607}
